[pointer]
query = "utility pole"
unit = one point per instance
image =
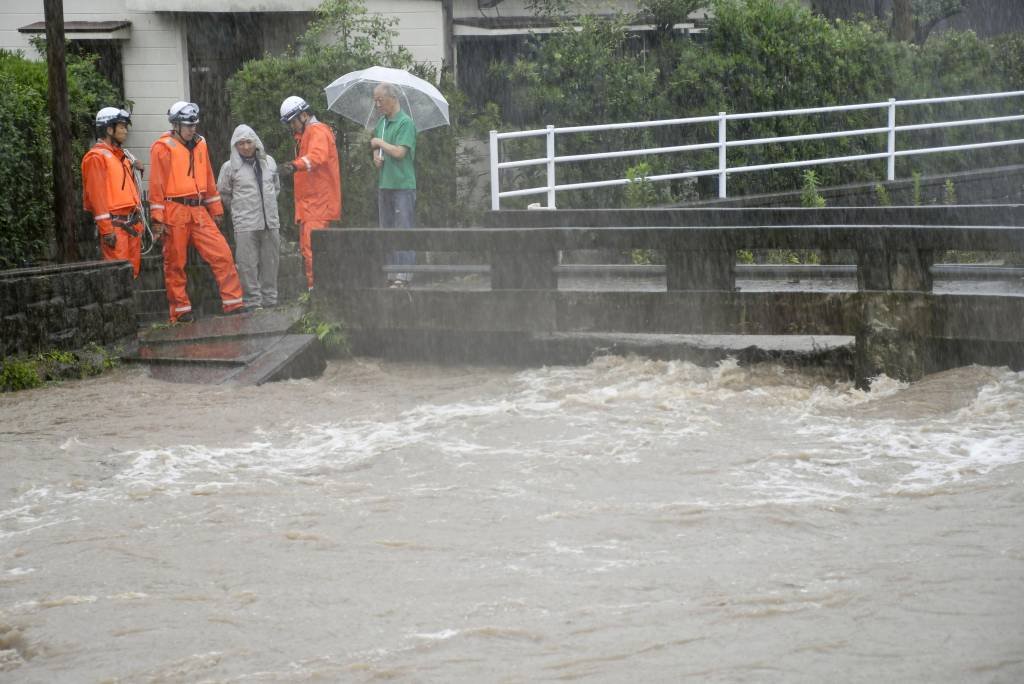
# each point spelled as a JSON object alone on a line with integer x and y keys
{"x": 64, "y": 214}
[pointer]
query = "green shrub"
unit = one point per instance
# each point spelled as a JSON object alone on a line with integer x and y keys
{"x": 26, "y": 187}
{"x": 18, "y": 374}
{"x": 330, "y": 332}
{"x": 882, "y": 195}
{"x": 26, "y": 216}
{"x": 948, "y": 192}
{"x": 809, "y": 195}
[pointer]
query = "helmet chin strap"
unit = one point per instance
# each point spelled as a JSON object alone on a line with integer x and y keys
{"x": 187, "y": 143}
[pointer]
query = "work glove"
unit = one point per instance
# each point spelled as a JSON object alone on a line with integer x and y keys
{"x": 158, "y": 231}
{"x": 219, "y": 220}
{"x": 110, "y": 239}
{"x": 286, "y": 169}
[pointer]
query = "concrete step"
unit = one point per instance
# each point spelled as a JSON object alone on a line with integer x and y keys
{"x": 245, "y": 349}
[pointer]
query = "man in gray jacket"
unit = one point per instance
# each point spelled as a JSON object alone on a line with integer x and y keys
{"x": 249, "y": 186}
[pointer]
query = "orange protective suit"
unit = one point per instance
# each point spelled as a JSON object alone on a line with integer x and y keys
{"x": 183, "y": 196}
{"x": 109, "y": 193}
{"x": 317, "y": 186}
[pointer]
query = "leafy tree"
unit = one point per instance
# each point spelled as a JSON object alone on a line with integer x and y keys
{"x": 908, "y": 20}
{"x": 1009, "y": 59}
{"x": 927, "y": 13}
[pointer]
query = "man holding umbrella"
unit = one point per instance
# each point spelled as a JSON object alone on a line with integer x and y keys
{"x": 317, "y": 175}
{"x": 401, "y": 105}
{"x": 394, "y": 154}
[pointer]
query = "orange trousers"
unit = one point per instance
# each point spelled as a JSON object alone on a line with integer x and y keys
{"x": 306, "y": 229}
{"x": 126, "y": 248}
{"x": 193, "y": 226}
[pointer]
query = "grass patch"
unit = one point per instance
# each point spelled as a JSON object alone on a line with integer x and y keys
{"x": 54, "y": 365}
{"x": 331, "y": 333}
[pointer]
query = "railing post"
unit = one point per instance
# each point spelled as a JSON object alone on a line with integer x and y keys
{"x": 495, "y": 201}
{"x": 891, "y": 172}
{"x": 551, "y": 166}
{"x": 722, "y": 193}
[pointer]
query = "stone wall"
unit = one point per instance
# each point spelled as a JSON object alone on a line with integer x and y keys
{"x": 65, "y": 307}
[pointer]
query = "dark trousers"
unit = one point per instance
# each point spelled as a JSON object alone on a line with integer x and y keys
{"x": 397, "y": 209}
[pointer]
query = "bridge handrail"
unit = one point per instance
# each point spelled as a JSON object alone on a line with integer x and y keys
{"x": 723, "y": 143}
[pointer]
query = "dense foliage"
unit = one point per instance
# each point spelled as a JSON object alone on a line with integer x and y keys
{"x": 26, "y": 179}
{"x": 757, "y": 55}
{"x": 344, "y": 38}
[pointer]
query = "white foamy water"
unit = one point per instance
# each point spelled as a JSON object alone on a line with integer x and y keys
{"x": 630, "y": 519}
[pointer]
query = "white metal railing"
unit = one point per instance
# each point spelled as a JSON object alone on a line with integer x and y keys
{"x": 722, "y": 170}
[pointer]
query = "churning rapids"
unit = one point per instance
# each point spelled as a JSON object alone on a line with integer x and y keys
{"x": 627, "y": 521}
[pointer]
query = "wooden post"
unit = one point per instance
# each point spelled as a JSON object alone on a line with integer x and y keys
{"x": 64, "y": 213}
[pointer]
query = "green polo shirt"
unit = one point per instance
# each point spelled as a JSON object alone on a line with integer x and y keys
{"x": 398, "y": 174}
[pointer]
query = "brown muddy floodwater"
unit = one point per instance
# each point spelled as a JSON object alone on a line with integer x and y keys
{"x": 627, "y": 521}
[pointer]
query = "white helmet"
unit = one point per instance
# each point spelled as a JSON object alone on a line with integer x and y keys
{"x": 111, "y": 116}
{"x": 183, "y": 113}
{"x": 291, "y": 107}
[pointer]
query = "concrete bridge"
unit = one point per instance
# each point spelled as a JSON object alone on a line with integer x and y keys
{"x": 902, "y": 327}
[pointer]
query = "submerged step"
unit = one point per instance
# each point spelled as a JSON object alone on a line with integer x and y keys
{"x": 246, "y": 361}
{"x": 246, "y": 349}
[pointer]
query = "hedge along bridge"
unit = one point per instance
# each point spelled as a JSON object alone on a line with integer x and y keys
{"x": 901, "y": 327}
{"x": 723, "y": 142}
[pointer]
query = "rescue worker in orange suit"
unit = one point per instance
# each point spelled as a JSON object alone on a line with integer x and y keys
{"x": 186, "y": 210}
{"x": 317, "y": 175}
{"x": 109, "y": 190}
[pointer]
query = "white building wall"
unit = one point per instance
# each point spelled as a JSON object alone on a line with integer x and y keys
{"x": 154, "y": 58}
{"x": 420, "y": 26}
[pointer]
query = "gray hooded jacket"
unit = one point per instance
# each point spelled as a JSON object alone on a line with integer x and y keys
{"x": 239, "y": 191}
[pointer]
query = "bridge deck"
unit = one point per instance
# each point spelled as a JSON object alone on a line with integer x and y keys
{"x": 892, "y": 304}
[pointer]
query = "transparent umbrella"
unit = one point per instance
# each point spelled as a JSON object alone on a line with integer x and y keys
{"x": 352, "y": 96}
